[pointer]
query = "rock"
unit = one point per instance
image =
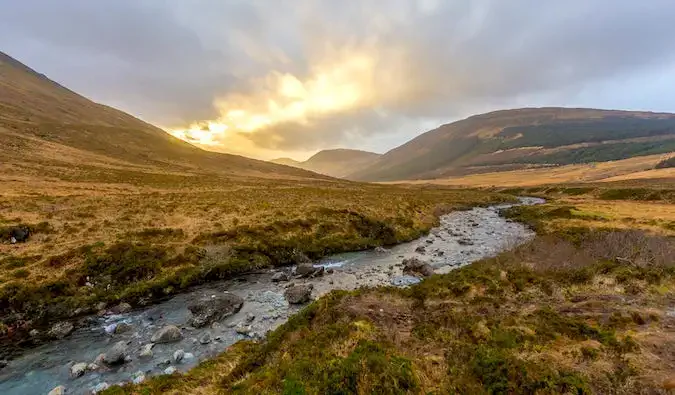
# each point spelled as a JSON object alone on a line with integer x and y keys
{"x": 165, "y": 362}
{"x": 420, "y": 250}
{"x": 122, "y": 327}
{"x": 19, "y": 234}
{"x": 188, "y": 356}
{"x": 205, "y": 339}
{"x": 146, "y": 351}
{"x": 138, "y": 377}
{"x": 440, "y": 253}
{"x": 101, "y": 306}
{"x": 3, "y": 363}
{"x": 430, "y": 241}
{"x": 167, "y": 334}
{"x": 417, "y": 267}
{"x": 92, "y": 367}
{"x": 116, "y": 355}
{"x": 330, "y": 271}
{"x": 280, "y": 277}
{"x": 305, "y": 269}
{"x": 78, "y": 370}
{"x": 380, "y": 250}
{"x": 299, "y": 294}
{"x": 178, "y": 356}
{"x": 465, "y": 242}
{"x": 100, "y": 387}
{"x": 61, "y": 329}
{"x": 34, "y": 333}
{"x": 243, "y": 329}
{"x": 121, "y": 308}
{"x": 170, "y": 370}
{"x": 250, "y": 317}
{"x": 215, "y": 308}
{"x": 60, "y": 390}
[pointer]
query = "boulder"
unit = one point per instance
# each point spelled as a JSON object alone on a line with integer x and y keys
{"x": 305, "y": 269}
{"x": 243, "y": 329}
{"x": 60, "y": 390}
{"x": 299, "y": 294}
{"x": 146, "y": 351}
{"x": 417, "y": 267}
{"x": 380, "y": 250}
{"x": 280, "y": 277}
{"x": 167, "y": 334}
{"x": 178, "y": 356}
{"x": 92, "y": 367}
{"x": 61, "y": 329}
{"x": 78, "y": 370}
{"x": 215, "y": 308}
{"x": 116, "y": 354}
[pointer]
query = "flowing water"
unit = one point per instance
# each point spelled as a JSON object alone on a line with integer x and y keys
{"x": 462, "y": 237}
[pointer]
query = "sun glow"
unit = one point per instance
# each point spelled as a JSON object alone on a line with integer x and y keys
{"x": 283, "y": 98}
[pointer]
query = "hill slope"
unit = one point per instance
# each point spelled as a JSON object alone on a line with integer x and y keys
{"x": 334, "y": 162}
{"x": 530, "y": 137}
{"x": 46, "y": 125}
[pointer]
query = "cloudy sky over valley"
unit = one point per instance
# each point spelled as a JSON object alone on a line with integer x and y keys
{"x": 290, "y": 77}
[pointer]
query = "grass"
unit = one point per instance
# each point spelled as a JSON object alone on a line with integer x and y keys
{"x": 145, "y": 244}
{"x": 549, "y": 317}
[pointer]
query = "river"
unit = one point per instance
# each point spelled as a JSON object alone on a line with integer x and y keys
{"x": 461, "y": 238}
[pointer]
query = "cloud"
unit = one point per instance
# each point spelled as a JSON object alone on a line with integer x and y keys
{"x": 266, "y": 78}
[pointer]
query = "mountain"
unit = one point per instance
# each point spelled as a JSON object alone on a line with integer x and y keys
{"x": 50, "y": 130}
{"x": 334, "y": 162}
{"x": 524, "y": 138}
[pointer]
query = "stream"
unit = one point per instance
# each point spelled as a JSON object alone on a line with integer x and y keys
{"x": 462, "y": 237}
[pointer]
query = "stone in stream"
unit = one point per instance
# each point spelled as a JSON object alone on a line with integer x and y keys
{"x": 146, "y": 351}
{"x": 205, "y": 339}
{"x": 138, "y": 377}
{"x": 417, "y": 267}
{"x": 280, "y": 277}
{"x": 170, "y": 370}
{"x": 167, "y": 334}
{"x": 178, "y": 356}
{"x": 121, "y": 308}
{"x": 78, "y": 370}
{"x": 299, "y": 294}
{"x": 380, "y": 250}
{"x": 61, "y": 329}
{"x": 100, "y": 387}
{"x": 465, "y": 242}
{"x": 215, "y": 308}
{"x": 60, "y": 390}
{"x": 420, "y": 250}
{"x": 122, "y": 327}
{"x": 116, "y": 355}
{"x": 308, "y": 270}
{"x": 250, "y": 317}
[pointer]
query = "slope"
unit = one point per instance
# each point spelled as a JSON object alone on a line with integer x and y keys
{"x": 334, "y": 162}
{"x": 49, "y": 128}
{"x": 521, "y": 138}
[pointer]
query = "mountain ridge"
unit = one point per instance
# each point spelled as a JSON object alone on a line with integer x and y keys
{"x": 338, "y": 162}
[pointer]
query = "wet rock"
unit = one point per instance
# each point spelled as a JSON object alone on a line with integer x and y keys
{"x": 440, "y": 253}
{"x": 100, "y": 387}
{"x": 380, "y": 250}
{"x": 170, "y": 370}
{"x": 429, "y": 241}
{"x": 146, "y": 351}
{"x": 330, "y": 271}
{"x": 299, "y": 294}
{"x": 116, "y": 355}
{"x": 92, "y": 367}
{"x": 421, "y": 250}
{"x": 417, "y": 267}
{"x": 61, "y": 329}
{"x": 78, "y": 370}
{"x": 167, "y": 334}
{"x": 121, "y": 308}
{"x": 138, "y": 377}
{"x": 178, "y": 356}
{"x": 243, "y": 329}
{"x": 280, "y": 277}
{"x": 465, "y": 242}
{"x": 163, "y": 363}
{"x": 122, "y": 327}
{"x": 250, "y": 317}
{"x": 205, "y": 339}
{"x": 307, "y": 270}
{"x": 215, "y": 308}
{"x": 60, "y": 390}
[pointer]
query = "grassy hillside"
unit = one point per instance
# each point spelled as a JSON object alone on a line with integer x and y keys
{"x": 511, "y": 139}
{"x": 584, "y": 308}
{"x": 46, "y": 126}
{"x": 334, "y": 162}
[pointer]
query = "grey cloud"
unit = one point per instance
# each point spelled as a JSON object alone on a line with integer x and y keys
{"x": 169, "y": 60}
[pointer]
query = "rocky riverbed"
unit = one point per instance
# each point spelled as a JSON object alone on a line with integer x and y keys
{"x": 128, "y": 346}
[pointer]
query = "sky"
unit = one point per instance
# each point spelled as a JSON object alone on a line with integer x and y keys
{"x": 287, "y": 78}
